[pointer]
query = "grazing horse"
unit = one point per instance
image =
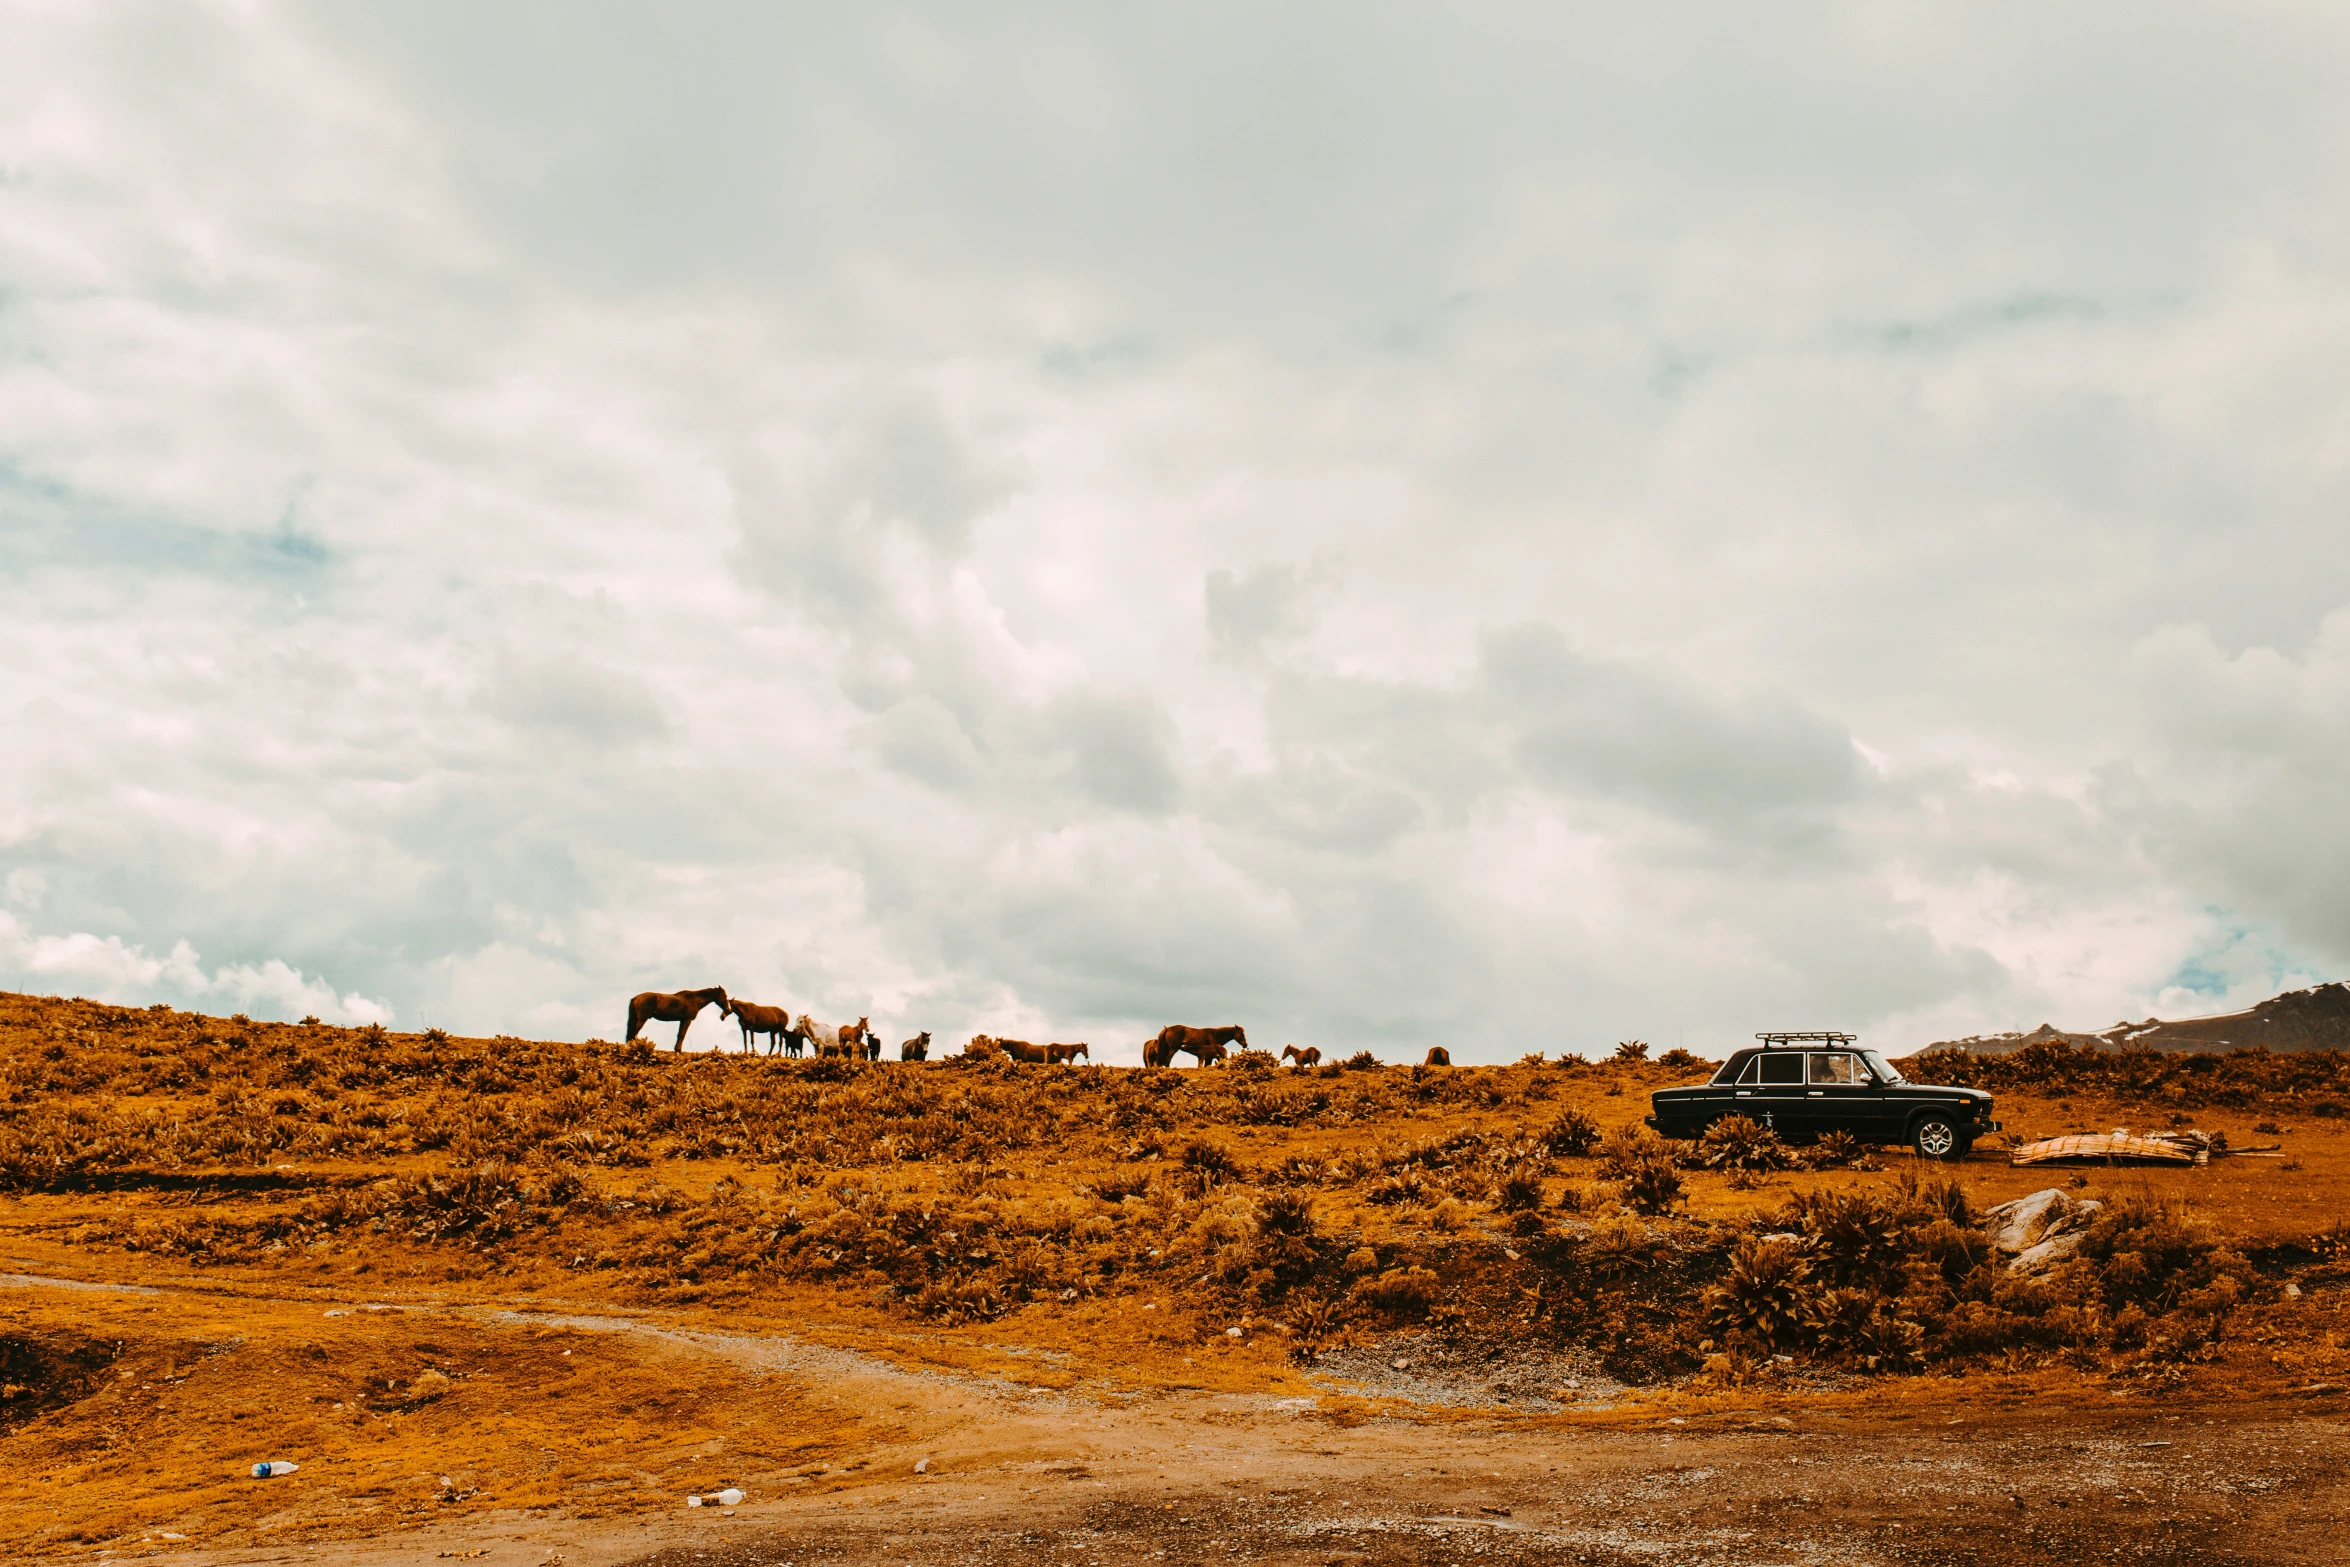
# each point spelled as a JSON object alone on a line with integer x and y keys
{"x": 917, "y": 1048}
{"x": 1207, "y": 1044}
{"x": 822, "y": 1038}
{"x": 1022, "y": 1050}
{"x": 754, "y": 1019}
{"x": 1063, "y": 1054}
{"x": 1438, "y": 1056}
{"x": 1310, "y": 1056}
{"x": 670, "y": 1006}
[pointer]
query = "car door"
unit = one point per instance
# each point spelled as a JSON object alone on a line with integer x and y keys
{"x": 1841, "y": 1095}
{"x": 1775, "y": 1096}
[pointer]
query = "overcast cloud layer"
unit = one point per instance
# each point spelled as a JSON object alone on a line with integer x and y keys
{"x": 1516, "y": 527}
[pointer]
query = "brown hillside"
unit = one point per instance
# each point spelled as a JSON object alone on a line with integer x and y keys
{"x": 371, "y": 1251}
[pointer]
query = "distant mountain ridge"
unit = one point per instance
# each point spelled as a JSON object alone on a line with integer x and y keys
{"x": 2314, "y": 1019}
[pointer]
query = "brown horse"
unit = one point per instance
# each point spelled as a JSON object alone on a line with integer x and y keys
{"x": 670, "y": 1006}
{"x": 1022, "y": 1050}
{"x": 917, "y": 1048}
{"x": 854, "y": 1037}
{"x": 1310, "y": 1056}
{"x": 1206, "y": 1044}
{"x": 1062, "y": 1054}
{"x": 754, "y": 1019}
{"x": 1438, "y": 1056}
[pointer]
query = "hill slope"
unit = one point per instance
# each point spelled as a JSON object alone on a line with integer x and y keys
{"x": 2314, "y": 1019}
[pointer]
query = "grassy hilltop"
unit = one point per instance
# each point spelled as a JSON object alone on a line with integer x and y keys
{"x": 1299, "y": 1205}
{"x": 1497, "y": 1238}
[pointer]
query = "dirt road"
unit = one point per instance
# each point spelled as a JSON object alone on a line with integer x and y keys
{"x": 1199, "y": 1488}
{"x": 825, "y": 1442}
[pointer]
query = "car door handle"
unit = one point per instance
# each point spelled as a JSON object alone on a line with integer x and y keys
{"x": 1818, "y": 1093}
{"x": 1745, "y": 1094}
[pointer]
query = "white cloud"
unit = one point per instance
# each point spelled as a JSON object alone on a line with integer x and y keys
{"x": 109, "y": 969}
{"x": 1372, "y": 523}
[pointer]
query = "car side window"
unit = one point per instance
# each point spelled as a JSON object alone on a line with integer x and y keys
{"x": 1837, "y": 1068}
{"x": 1781, "y": 1067}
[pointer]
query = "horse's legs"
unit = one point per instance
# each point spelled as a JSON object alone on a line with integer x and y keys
{"x": 683, "y": 1024}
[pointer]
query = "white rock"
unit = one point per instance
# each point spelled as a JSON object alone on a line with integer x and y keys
{"x": 2024, "y": 1223}
{"x": 2046, "y": 1255}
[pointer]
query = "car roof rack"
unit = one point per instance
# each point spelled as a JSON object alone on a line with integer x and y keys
{"x": 1780, "y": 1040}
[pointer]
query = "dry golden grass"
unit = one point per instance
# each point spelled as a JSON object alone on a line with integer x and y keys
{"x": 1063, "y": 1226}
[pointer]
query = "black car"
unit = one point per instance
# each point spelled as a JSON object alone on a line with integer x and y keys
{"x": 1801, "y": 1085}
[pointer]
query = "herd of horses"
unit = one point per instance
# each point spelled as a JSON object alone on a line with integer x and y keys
{"x": 857, "y": 1041}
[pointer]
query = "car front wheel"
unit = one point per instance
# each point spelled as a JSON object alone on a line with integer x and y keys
{"x": 1936, "y": 1137}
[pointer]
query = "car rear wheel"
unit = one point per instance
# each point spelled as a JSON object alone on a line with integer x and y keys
{"x": 1936, "y": 1137}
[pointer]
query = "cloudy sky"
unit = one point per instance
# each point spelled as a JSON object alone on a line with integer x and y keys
{"x": 1516, "y": 526}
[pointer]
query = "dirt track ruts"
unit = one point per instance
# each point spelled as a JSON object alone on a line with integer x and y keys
{"x": 2223, "y": 1488}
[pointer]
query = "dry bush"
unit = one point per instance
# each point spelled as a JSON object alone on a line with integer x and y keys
{"x": 926, "y": 1188}
{"x": 1767, "y": 1300}
{"x": 1407, "y": 1291}
{"x": 1571, "y": 1135}
{"x": 1520, "y": 1190}
{"x": 1643, "y": 1163}
{"x": 1738, "y": 1142}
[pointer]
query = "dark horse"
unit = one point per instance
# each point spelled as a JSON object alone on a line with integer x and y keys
{"x": 774, "y": 1022}
{"x": 1208, "y": 1044}
{"x": 667, "y": 1006}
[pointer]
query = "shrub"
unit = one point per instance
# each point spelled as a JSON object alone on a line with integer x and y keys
{"x": 1644, "y": 1165}
{"x": 1682, "y": 1061}
{"x": 1206, "y": 1163}
{"x": 1392, "y": 1189}
{"x": 1286, "y": 1251}
{"x": 1626, "y": 1149}
{"x": 1285, "y": 1213}
{"x": 1652, "y": 1189}
{"x": 1837, "y": 1150}
{"x": 1572, "y": 1135}
{"x": 1360, "y": 1061}
{"x": 1887, "y": 1342}
{"x": 1940, "y": 1197}
{"x": 1738, "y": 1142}
{"x": 1313, "y": 1316}
{"x": 1632, "y": 1050}
{"x": 1767, "y": 1300}
{"x": 1519, "y": 1190}
{"x": 1854, "y": 1241}
{"x": 1404, "y": 1292}
{"x": 1618, "y": 1248}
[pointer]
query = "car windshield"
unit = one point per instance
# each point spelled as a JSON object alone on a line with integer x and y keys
{"x": 1882, "y": 1067}
{"x": 1729, "y": 1071}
